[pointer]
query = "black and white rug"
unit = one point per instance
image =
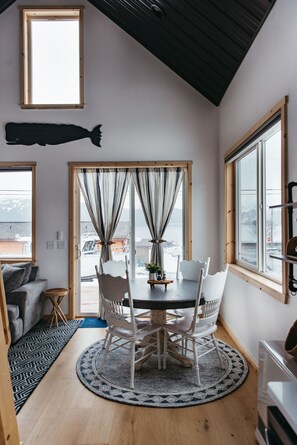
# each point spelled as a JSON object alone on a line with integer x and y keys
{"x": 31, "y": 357}
{"x": 173, "y": 387}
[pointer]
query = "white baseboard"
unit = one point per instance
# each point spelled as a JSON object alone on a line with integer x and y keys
{"x": 240, "y": 347}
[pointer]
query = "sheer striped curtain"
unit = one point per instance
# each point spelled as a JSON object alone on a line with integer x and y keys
{"x": 157, "y": 189}
{"x": 104, "y": 191}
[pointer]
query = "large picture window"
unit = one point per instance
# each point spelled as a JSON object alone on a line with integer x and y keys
{"x": 255, "y": 180}
{"x": 52, "y": 57}
{"x": 17, "y": 210}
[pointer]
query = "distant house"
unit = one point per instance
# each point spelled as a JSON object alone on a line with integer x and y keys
{"x": 120, "y": 239}
{"x": 15, "y": 238}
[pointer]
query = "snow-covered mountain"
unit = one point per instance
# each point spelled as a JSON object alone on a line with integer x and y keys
{"x": 15, "y": 209}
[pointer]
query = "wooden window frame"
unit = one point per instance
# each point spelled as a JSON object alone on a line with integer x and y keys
{"x": 14, "y": 166}
{"x": 277, "y": 291}
{"x": 8, "y": 422}
{"x": 26, "y": 13}
{"x": 74, "y": 190}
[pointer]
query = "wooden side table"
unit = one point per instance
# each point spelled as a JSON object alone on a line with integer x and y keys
{"x": 56, "y": 296}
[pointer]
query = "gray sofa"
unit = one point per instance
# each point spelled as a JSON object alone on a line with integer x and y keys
{"x": 24, "y": 297}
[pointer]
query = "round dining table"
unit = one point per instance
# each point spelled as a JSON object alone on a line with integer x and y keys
{"x": 160, "y": 299}
{"x": 176, "y": 295}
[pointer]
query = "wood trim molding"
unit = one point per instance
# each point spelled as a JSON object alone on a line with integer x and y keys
{"x": 81, "y": 58}
{"x": 3, "y": 313}
{"x": 130, "y": 164}
{"x": 9, "y": 434}
{"x": 72, "y": 242}
{"x": 188, "y": 212}
{"x": 30, "y": 165}
{"x": 52, "y": 107}
{"x": 33, "y": 215}
{"x": 12, "y": 164}
{"x": 46, "y": 12}
{"x": 253, "y": 364}
{"x": 73, "y": 211}
{"x": 229, "y": 219}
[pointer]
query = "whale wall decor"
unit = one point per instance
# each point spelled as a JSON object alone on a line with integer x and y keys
{"x": 49, "y": 134}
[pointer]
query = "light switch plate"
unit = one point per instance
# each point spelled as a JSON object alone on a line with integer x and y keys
{"x": 61, "y": 244}
{"x": 50, "y": 244}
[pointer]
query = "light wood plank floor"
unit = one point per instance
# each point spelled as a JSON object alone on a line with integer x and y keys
{"x": 61, "y": 411}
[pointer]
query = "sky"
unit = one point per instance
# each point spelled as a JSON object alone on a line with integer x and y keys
{"x": 55, "y": 44}
{"x": 15, "y": 181}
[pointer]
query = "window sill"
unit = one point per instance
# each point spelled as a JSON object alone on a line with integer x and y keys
{"x": 271, "y": 288}
{"x": 6, "y": 260}
{"x": 52, "y": 106}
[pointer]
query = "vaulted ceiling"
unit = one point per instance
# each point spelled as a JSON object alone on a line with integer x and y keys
{"x": 203, "y": 41}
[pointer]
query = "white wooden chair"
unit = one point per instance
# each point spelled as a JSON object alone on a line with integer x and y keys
{"x": 189, "y": 270}
{"x": 115, "y": 268}
{"x": 198, "y": 330}
{"x": 121, "y": 329}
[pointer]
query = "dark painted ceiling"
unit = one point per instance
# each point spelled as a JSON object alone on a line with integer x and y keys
{"x": 203, "y": 41}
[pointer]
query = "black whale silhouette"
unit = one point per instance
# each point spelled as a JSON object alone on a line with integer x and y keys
{"x": 49, "y": 134}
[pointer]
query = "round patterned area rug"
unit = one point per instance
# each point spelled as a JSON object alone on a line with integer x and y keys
{"x": 164, "y": 388}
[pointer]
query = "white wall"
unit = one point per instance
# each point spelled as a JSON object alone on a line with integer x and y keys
{"x": 147, "y": 112}
{"x": 268, "y": 73}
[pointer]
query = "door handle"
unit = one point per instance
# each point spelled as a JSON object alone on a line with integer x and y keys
{"x": 78, "y": 252}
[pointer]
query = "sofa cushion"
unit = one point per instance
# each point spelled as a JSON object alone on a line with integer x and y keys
{"x": 27, "y": 267}
{"x": 34, "y": 273}
{"x": 13, "y": 312}
{"x": 16, "y": 329}
{"x": 12, "y": 277}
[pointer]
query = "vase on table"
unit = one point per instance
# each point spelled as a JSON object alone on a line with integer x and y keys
{"x": 152, "y": 276}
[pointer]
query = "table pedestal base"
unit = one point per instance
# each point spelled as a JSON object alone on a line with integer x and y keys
{"x": 158, "y": 317}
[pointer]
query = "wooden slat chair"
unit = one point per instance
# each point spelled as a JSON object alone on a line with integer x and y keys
{"x": 117, "y": 268}
{"x": 123, "y": 330}
{"x": 198, "y": 330}
{"x": 189, "y": 270}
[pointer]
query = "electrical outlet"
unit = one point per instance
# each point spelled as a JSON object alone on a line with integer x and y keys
{"x": 50, "y": 244}
{"x": 61, "y": 244}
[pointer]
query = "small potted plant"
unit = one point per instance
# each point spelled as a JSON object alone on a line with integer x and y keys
{"x": 152, "y": 269}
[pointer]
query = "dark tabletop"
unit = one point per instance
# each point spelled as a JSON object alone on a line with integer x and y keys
{"x": 179, "y": 294}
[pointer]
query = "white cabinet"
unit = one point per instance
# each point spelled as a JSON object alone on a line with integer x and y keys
{"x": 284, "y": 396}
{"x": 275, "y": 365}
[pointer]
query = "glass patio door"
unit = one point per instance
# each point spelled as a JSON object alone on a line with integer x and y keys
{"x": 132, "y": 239}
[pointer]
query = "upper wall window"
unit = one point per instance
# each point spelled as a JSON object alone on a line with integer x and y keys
{"x": 52, "y": 57}
{"x": 17, "y": 212}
